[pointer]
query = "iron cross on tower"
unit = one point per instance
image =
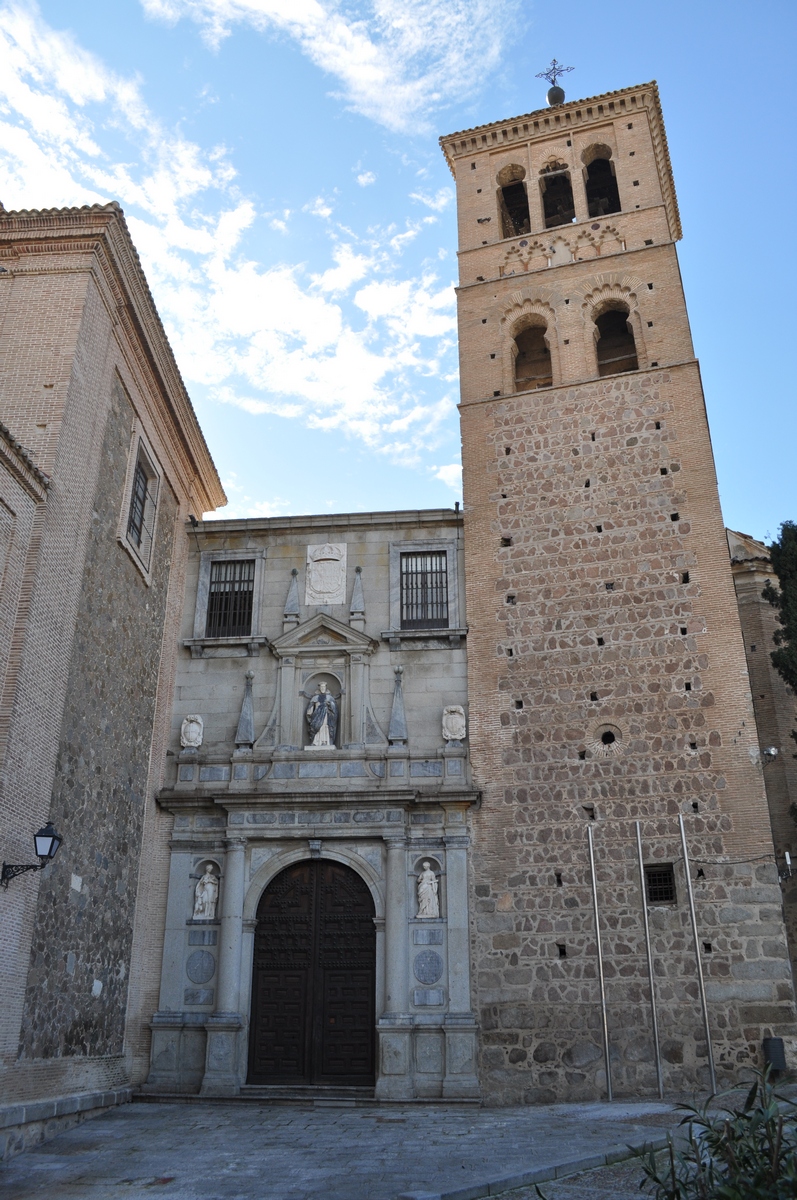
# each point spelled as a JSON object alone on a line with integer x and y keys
{"x": 556, "y": 94}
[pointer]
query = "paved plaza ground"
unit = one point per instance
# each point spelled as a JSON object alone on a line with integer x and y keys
{"x": 245, "y": 1151}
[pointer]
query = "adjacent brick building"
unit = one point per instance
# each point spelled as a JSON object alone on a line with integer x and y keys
{"x": 101, "y": 461}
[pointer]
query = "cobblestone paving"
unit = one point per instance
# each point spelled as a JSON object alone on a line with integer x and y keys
{"x": 272, "y": 1152}
{"x": 620, "y": 1182}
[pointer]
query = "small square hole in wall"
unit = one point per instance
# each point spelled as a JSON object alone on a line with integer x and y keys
{"x": 592, "y": 437}
{"x": 654, "y": 364}
{"x": 687, "y": 686}
{"x": 496, "y": 393}
{"x": 558, "y": 877}
{"x": 511, "y": 598}
{"x": 650, "y": 324}
{"x": 707, "y": 948}
{"x": 631, "y": 126}
{"x": 752, "y": 647}
{"x": 685, "y": 577}
{"x": 484, "y": 320}
{"x": 492, "y": 356}
{"x": 693, "y": 745}
{"x": 518, "y": 704}
{"x": 510, "y": 653}
{"x": 701, "y": 874}
{"x": 663, "y": 471}
{"x": 683, "y": 629}
{"x": 507, "y": 449}
{"x": 593, "y": 695}
{"x": 567, "y": 341}
{"x": 609, "y": 587}
{"x": 503, "y": 495}
{"x": 506, "y": 541}
{"x": 657, "y": 425}
{"x": 650, "y": 287}
{"x": 480, "y": 278}
{"x": 582, "y": 754}
{"x": 586, "y": 484}
{"x": 562, "y": 948}
{"x": 636, "y": 183}
{"x": 569, "y": 142}
{"x": 484, "y": 244}
{"x": 589, "y": 809}
{"x": 601, "y": 642}
{"x": 675, "y": 517}
{"x": 631, "y": 153}
{"x": 648, "y": 241}
{"x": 473, "y": 165}
{"x": 567, "y": 301}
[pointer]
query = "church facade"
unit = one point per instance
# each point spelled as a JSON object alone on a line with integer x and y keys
{"x": 443, "y": 804}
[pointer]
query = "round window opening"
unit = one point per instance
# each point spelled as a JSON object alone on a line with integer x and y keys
{"x": 607, "y": 740}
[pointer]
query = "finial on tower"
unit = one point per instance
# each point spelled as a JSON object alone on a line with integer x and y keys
{"x": 556, "y": 94}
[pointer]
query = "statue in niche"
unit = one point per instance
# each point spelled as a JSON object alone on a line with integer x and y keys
{"x": 454, "y": 723}
{"x": 191, "y": 732}
{"x": 206, "y": 895}
{"x": 322, "y": 717}
{"x": 428, "y": 901}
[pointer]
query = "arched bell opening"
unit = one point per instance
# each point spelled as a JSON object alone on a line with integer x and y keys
{"x": 313, "y": 1015}
{"x": 603, "y": 196}
{"x": 513, "y": 201}
{"x": 557, "y": 196}
{"x": 616, "y": 347}
{"x": 532, "y": 359}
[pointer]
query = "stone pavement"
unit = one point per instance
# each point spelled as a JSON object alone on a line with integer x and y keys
{"x": 246, "y": 1151}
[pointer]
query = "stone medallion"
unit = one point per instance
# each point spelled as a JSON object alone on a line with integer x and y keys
{"x": 428, "y": 966}
{"x": 201, "y": 966}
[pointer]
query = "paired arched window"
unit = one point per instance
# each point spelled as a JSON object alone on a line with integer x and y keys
{"x": 601, "y": 183}
{"x": 513, "y": 202}
{"x": 616, "y": 345}
{"x": 557, "y": 195}
{"x": 532, "y": 360}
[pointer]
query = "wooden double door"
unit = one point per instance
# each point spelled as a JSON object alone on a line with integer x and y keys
{"x": 313, "y": 982}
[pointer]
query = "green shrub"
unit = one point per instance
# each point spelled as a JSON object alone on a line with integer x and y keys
{"x": 747, "y": 1153}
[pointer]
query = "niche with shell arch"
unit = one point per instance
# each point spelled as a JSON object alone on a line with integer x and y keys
{"x": 513, "y": 201}
{"x": 438, "y": 866}
{"x": 600, "y": 181}
{"x": 337, "y": 689}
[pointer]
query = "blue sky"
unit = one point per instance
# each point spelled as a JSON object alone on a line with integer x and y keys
{"x": 278, "y": 164}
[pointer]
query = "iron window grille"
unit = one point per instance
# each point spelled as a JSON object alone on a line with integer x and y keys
{"x": 232, "y": 587}
{"x": 143, "y": 507}
{"x": 424, "y": 590}
{"x": 660, "y": 885}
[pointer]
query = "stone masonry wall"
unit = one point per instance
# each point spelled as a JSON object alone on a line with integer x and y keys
{"x": 542, "y": 766}
{"x": 83, "y": 929}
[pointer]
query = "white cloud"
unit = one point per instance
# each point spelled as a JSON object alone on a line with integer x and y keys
{"x": 366, "y": 178}
{"x": 437, "y": 202}
{"x": 451, "y": 475}
{"x": 396, "y": 60}
{"x": 319, "y": 208}
{"x": 270, "y": 339}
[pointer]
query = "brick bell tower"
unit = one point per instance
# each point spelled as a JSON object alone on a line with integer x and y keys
{"x": 607, "y": 674}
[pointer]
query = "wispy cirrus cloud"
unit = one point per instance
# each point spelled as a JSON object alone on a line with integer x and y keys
{"x": 397, "y": 61}
{"x": 348, "y": 348}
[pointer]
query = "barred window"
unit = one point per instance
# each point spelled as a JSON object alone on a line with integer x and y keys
{"x": 424, "y": 591}
{"x": 232, "y": 586}
{"x": 660, "y": 884}
{"x": 143, "y": 507}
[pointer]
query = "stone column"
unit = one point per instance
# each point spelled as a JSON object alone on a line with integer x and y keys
{"x": 224, "y": 1027}
{"x": 460, "y": 1026}
{"x": 394, "y": 1080}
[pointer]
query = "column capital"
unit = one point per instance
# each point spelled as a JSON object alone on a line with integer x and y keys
{"x": 235, "y": 843}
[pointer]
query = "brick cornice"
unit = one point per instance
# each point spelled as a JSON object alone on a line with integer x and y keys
{"x": 595, "y": 110}
{"x": 15, "y": 458}
{"x": 100, "y": 233}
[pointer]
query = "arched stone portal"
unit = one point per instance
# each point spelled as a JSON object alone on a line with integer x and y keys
{"x": 313, "y": 978}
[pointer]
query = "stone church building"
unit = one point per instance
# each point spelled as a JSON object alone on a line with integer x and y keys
{"x": 467, "y": 805}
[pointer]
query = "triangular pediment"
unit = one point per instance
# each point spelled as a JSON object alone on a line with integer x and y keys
{"x": 322, "y": 632}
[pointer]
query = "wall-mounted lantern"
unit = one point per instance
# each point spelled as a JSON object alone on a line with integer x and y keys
{"x": 45, "y": 844}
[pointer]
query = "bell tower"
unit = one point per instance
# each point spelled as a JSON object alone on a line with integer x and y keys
{"x": 607, "y": 675}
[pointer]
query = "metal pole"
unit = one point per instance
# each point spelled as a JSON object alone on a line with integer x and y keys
{"x": 600, "y": 965}
{"x": 653, "y": 1017}
{"x": 700, "y": 982}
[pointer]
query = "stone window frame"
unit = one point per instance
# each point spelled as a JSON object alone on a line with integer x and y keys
{"x": 438, "y": 545}
{"x": 140, "y": 447}
{"x": 255, "y": 639}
